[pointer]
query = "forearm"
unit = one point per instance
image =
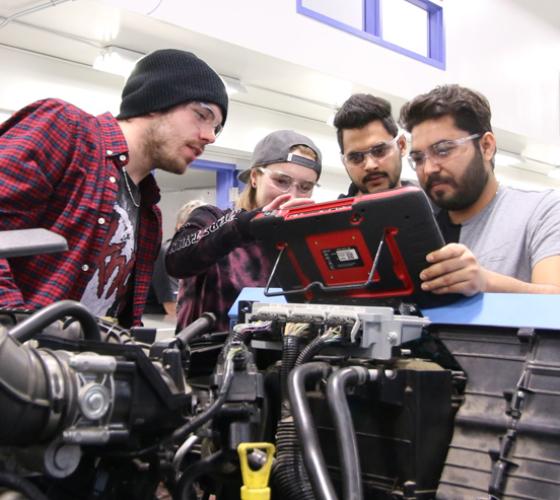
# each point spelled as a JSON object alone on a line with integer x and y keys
{"x": 496, "y": 282}
{"x": 201, "y": 242}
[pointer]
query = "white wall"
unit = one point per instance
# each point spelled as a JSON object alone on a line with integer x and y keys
{"x": 172, "y": 201}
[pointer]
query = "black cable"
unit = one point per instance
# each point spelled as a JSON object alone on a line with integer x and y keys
{"x": 316, "y": 345}
{"x": 243, "y": 333}
{"x": 312, "y": 454}
{"x": 344, "y": 426}
{"x": 289, "y": 478}
{"x": 183, "y": 489}
{"x": 21, "y": 485}
{"x": 182, "y": 432}
{"x": 33, "y": 325}
{"x": 290, "y": 351}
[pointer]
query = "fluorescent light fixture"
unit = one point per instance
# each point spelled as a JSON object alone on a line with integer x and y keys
{"x": 233, "y": 85}
{"x": 116, "y": 60}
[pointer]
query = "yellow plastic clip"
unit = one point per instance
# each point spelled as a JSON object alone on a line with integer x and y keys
{"x": 255, "y": 482}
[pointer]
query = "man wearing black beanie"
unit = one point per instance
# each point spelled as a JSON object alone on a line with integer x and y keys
{"x": 88, "y": 179}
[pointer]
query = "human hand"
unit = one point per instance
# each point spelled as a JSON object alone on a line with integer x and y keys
{"x": 285, "y": 201}
{"x": 454, "y": 269}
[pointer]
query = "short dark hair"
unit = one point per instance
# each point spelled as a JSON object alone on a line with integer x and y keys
{"x": 361, "y": 109}
{"x": 469, "y": 109}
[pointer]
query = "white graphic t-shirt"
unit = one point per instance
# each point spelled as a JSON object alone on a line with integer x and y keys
{"x": 106, "y": 292}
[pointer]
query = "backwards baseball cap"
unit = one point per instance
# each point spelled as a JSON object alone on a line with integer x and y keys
{"x": 277, "y": 148}
{"x": 168, "y": 77}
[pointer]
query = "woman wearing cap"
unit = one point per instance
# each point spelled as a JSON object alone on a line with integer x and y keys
{"x": 215, "y": 251}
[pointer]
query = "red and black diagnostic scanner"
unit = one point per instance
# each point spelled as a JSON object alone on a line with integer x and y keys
{"x": 367, "y": 250}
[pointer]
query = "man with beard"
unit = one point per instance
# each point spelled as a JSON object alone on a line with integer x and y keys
{"x": 370, "y": 144}
{"x": 88, "y": 178}
{"x": 500, "y": 239}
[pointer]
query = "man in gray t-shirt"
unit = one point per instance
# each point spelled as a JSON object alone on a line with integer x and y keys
{"x": 499, "y": 239}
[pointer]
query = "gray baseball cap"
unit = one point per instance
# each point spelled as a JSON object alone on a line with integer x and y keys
{"x": 275, "y": 148}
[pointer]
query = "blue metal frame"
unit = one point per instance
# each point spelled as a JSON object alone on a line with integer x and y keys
{"x": 372, "y": 30}
{"x": 226, "y": 178}
{"x": 372, "y": 17}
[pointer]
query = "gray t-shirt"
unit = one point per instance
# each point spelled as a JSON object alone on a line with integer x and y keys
{"x": 515, "y": 230}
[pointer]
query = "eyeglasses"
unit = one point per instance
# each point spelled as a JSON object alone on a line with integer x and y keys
{"x": 284, "y": 182}
{"x": 441, "y": 151}
{"x": 377, "y": 152}
{"x": 205, "y": 117}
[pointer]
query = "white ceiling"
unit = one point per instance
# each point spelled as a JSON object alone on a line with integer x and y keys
{"x": 547, "y": 10}
{"x": 75, "y": 30}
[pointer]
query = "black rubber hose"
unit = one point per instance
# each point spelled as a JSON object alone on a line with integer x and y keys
{"x": 33, "y": 325}
{"x": 198, "y": 327}
{"x": 21, "y": 485}
{"x": 184, "y": 487}
{"x": 345, "y": 434}
{"x": 24, "y": 393}
{"x": 311, "y": 449}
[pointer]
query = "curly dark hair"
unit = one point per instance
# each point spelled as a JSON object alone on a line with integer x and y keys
{"x": 361, "y": 109}
{"x": 470, "y": 109}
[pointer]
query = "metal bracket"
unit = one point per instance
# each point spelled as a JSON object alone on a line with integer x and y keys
{"x": 318, "y": 284}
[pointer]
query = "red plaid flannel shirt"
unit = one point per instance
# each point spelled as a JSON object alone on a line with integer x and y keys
{"x": 60, "y": 169}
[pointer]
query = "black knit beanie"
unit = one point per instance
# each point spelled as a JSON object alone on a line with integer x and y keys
{"x": 165, "y": 78}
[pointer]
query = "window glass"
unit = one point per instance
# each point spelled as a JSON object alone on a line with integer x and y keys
{"x": 411, "y": 27}
{"x": 348, "y": 12}
{"x": 405, "y": 25}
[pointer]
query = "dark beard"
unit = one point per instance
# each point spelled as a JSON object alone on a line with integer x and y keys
{"x": 469, "y": 186}
{"x": 393, "y": 177}
{"x": 154, "y": 148}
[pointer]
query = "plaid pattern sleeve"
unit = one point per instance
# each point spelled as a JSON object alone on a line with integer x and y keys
{"x": 34, "y": 144}
{"x": 59, "y": 170}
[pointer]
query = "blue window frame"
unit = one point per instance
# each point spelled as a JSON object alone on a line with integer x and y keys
{"x": 226, "y": 178}
{"x": 372, "y": 29}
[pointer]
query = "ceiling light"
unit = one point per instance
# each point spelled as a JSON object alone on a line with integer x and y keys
{"x": 116, "y": 60}
{"x": 233, "y": 85}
